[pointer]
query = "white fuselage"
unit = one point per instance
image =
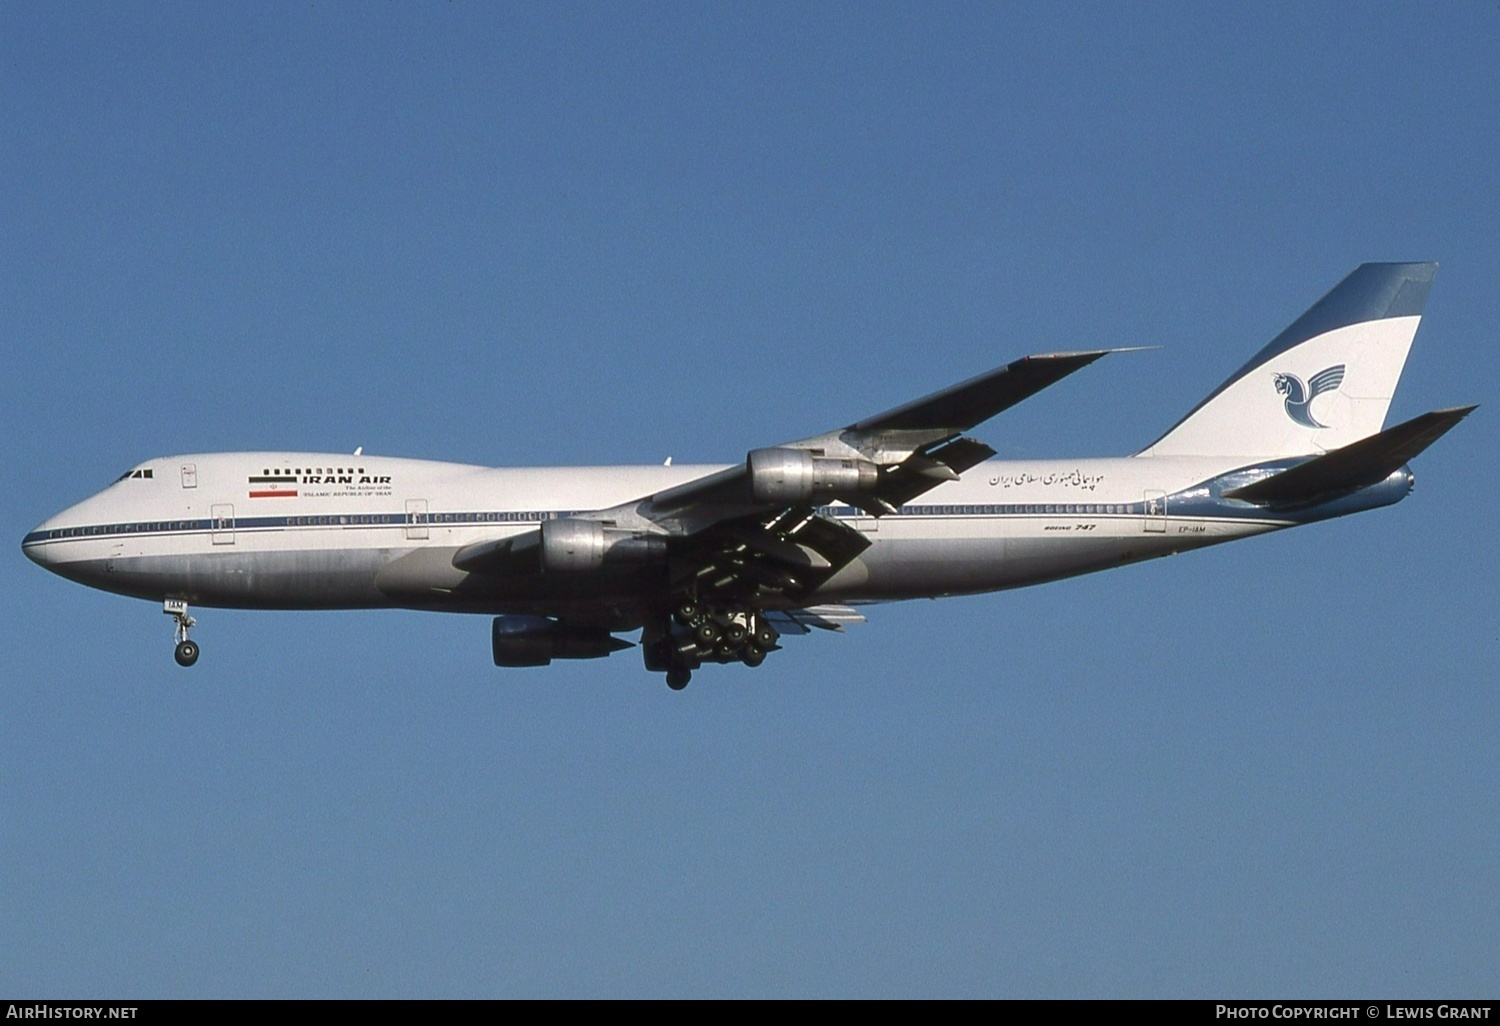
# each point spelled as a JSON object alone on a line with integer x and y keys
{"x": 286, "y": 530}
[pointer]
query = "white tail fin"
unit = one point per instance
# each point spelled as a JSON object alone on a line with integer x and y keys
{"x": 1321, "y": 384}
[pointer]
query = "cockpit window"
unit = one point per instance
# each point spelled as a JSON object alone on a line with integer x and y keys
{"x": 137, "y": 474}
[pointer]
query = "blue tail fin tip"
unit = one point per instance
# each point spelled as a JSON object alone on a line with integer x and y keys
{"x": 1371, "y": 292}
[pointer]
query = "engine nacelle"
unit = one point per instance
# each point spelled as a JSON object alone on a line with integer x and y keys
{"x": 520, "y": 640}
{"x": 793, "y": 475}
{"x": 569, "y": 546}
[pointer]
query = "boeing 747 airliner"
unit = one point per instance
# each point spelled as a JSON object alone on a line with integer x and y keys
{"x": 717, "y": 563}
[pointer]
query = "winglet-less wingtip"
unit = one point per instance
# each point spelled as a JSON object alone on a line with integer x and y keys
{"x": 959, "y": 407}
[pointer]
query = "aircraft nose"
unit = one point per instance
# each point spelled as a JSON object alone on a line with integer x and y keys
{"x": 35, "y": 546}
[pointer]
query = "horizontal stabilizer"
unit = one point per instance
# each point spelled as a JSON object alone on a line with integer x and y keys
{"x": 960, "y": 407}
{"x": 1358, "y": 465}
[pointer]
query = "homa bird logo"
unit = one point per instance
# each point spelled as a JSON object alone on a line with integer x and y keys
{"x": 1299, "y": 397}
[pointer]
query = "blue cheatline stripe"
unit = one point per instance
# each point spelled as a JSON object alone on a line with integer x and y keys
{"x": 498, "y": 518}
{"x": 1372, "y": 292}
{"x": 202, "y": 524}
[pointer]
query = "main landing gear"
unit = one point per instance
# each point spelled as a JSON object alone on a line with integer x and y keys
{"x": 186, "y": 652}
{"x": 695, "y": 635}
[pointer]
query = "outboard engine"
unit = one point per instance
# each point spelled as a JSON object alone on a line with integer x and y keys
{"x": 521, "y": 640}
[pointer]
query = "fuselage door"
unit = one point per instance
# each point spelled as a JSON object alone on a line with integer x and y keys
{"x": 416, "y": 519}
{"x": 223, "y": 523}
{"x": 190, "y": 475}
{"x": 1156, "y": 512}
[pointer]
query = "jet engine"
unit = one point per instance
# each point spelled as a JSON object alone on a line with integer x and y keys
{"x": 795, "y": 475}
{"x": 520, "y": 640}
{"x": 569, "y": 546}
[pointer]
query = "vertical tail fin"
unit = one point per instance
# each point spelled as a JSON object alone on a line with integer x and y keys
{"x": 1321, "y": 384}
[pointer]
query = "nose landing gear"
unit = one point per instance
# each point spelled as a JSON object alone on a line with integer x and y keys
{"x": 186, "y": 652}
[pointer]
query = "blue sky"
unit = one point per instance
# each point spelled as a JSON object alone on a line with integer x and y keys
{"x": 550, "y": 234}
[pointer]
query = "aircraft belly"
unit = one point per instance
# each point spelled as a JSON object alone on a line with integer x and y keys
{"x": 910, "y": 567}
{"x": 914, "y": 560}
{"x": 426, "y": 578}
{"x": 321, "y": 579}
{"x": 1034, "y": 560}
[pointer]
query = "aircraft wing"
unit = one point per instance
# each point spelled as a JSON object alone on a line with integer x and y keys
{"x": 892, "y": 439}
{"x": 960, "y": 407}
{"x": 759, "y": 532}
